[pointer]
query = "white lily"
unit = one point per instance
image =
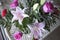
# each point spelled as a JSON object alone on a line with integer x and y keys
{"x": 18, "y": 14}
{"x": 37, "y": 28}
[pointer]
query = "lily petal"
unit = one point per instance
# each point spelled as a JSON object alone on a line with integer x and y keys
{"x": 42, "y": 25}
{"x": 25, "y": 15}
{"x": 19, "y": 9}
{"x": 14, "y": 18}
{"x": 20, "y": 21}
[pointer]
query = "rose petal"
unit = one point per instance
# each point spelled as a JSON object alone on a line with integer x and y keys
{"x": 17, "y": 35}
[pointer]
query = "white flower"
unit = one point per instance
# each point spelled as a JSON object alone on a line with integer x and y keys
{"x": 37, "y": 28}
{"x": 18, "y": 15}
{"x": 35, "y": 6}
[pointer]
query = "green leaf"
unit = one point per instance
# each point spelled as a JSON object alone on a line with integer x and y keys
{"x": 26, "y": 20}
{"x": 9, "y": 15}
{"x": 32, "y": 2}
{"x": 19, "y": 26}
{"x": 42, "y": 2}
{"x": 22, "y": 27}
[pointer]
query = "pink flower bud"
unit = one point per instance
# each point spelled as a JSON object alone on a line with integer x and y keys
{"x": 48, "y": 7}
{"x": 14, "y": 4}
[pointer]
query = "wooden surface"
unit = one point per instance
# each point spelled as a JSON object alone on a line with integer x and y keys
{"x": 54, "y": 35}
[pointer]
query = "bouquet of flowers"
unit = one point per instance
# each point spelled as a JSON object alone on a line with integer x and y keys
{"x": 29, "y": 17}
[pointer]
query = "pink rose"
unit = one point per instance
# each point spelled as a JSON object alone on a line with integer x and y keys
{"x": 17, "y": 35}
{"x": 14, "y": 4}
{"x": 48, "y": 7}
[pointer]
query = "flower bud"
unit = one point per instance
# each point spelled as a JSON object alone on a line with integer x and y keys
{"x": 48, "y": 7}
{"x": 4, "y": 12}
{"x": 17, "y": 35}
{"x": 35, "y": 6}
{"x": 14, "y": 4}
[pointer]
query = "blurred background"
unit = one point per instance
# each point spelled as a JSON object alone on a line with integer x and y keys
{"x": 55, "y": 29}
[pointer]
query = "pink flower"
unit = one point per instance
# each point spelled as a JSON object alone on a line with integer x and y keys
{"x": 19, "y": 15}
{"x": 37, "y": 28}
{"x": 48, "y": 7}
{"x": 14, "y": 4}
{"x": 17, "y": 35}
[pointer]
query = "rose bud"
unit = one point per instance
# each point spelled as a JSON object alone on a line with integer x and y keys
{"x": 17, "y": 35}
{"x": 48, "y": 7}
{"x": 4, "y": 12}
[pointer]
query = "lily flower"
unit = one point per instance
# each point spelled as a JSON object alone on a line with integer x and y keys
{"x": 37, "y": 28}
{"x": 18, "y": 15}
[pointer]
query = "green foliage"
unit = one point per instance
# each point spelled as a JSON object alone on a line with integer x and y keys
{"x": 33, "y": 14}
{"x": 2, "y": 21}
{"x": 23, "y": 27}
{"x": 42, "y": 2}
{"x": 8, "y": 20}
{"x": 32, "y": 2}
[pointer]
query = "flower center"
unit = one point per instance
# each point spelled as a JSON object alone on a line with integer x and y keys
{"x": 20, "y": 16}
{"x": 35, "y": 28}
